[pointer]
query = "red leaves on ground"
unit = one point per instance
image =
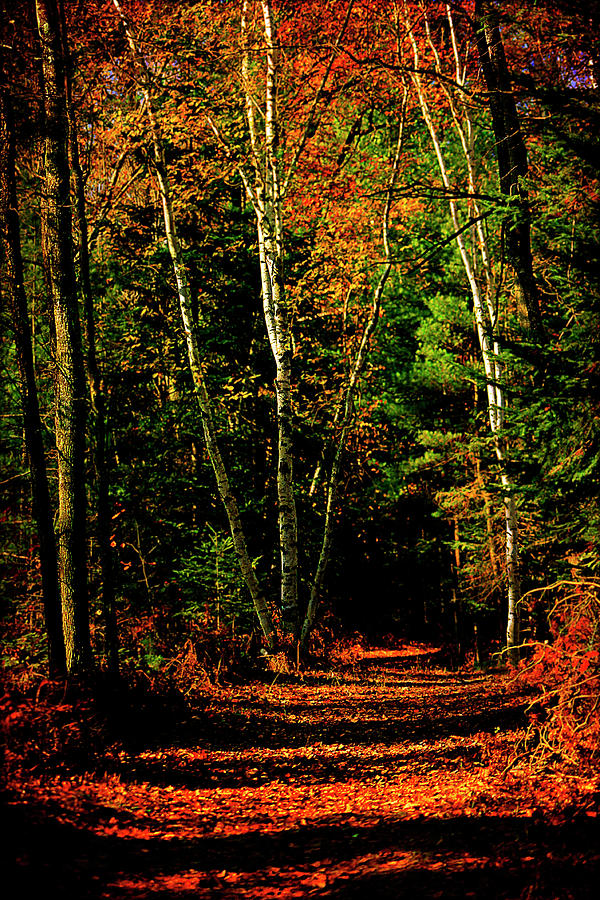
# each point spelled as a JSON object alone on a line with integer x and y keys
{"x": 383, "y": 781}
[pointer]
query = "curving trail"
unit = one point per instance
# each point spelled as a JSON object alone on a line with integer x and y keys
{"x": 380, "y": 782}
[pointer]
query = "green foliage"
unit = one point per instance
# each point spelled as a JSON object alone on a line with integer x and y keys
{"x": 210, "y": 582}
{"x": 419, "y": 523}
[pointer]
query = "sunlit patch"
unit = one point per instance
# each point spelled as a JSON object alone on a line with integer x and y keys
{"x": 383, "y": 781}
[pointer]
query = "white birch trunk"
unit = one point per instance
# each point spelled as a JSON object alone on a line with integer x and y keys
{"x": 265, "y": 188}
{"x": 483, "y": 305}
{"x": 193, "y": 352}
{"x": 510, "y": 510}
{"x": 264, "y": 192}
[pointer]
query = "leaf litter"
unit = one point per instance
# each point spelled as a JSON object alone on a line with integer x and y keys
{"x": 387, "y": 779}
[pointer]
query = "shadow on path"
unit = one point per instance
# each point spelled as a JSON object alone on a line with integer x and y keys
{"x": 458, "y": 857}
{"x": 365, "y": 731}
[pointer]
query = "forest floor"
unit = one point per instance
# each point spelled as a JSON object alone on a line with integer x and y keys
{"x": 387, "y": 779}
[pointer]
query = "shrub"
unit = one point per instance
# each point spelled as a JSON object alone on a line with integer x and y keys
{"x": 564, "y": 674}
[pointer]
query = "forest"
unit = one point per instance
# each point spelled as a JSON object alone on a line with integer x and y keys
{"x": 300, "y": 443}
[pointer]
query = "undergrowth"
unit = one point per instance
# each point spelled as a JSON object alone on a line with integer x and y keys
{"x": 50, "y": 724}
{"x": 564, "y": 675}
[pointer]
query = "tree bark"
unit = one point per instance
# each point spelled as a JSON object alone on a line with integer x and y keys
{"x": 95, "y": 383}
{"x": 193, "y": 351}
{"x": 511, "y": 154}
{"x": 17, "y": 302}
{"x": 264, "y": 192}
{"x": 266, "y": 186}
{"x": 70, "y": 384}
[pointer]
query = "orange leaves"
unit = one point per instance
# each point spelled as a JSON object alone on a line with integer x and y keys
{"x": 565, "y": 716}
{"x": 385, "y": 771}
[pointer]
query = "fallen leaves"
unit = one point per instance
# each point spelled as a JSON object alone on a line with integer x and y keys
{"x": 384, "y": 781}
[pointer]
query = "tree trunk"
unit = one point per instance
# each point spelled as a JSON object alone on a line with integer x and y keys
{"x": 512, "y": 570}
{"x": 264, "y": 192}
{"x": 511, "y": 154}
{"x": 483, "y": 305}
{"x": 265, "y": 187}
{"x": 17, "y": 301}
{"x": 70, "y": 382}
{"x": 96, "y": 387}
{"x": 193, "y": 352}
{"x": 100, "y": 433}
{"x": 456, "y": 600}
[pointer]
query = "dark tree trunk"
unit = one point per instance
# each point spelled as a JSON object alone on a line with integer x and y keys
{"x": 96, "y": 387}
{"x": 70, "y": 380}
{"x": 100, "y": 418}
{"x": 512, "y": 158}
{"x": 17, "y": 302}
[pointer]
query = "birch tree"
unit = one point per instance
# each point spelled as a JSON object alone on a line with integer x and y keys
{"x": 266, "y": 181}
{"x": 191, "y": 340}
{"x": 266, "y": 176}
{"x": 263, "y": 183}
{"x": 478, "y": 267}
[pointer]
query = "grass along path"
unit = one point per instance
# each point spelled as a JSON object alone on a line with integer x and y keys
{"x": 382, "y": 782}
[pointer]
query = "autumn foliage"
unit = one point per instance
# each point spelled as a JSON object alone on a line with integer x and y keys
{"x": 565, "y": 675}
{"x": 389, "y": 774}
{"x": 327, "y": 447}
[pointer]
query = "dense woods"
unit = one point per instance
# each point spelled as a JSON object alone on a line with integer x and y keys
{"x": 300, "y": 340}
{"x": 407, "y": 433}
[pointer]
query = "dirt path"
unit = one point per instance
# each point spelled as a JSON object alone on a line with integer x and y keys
{"x": 382, "y": 783}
